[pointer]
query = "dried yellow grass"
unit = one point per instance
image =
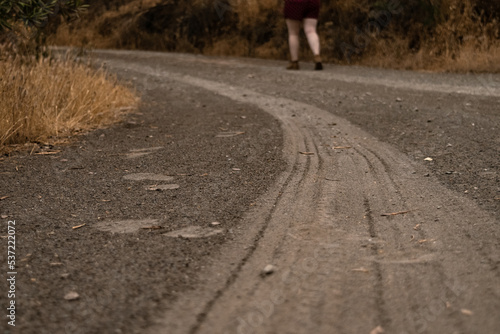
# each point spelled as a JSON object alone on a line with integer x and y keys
{"x": 466, "y": 46}
{"x": 48, "y": 100}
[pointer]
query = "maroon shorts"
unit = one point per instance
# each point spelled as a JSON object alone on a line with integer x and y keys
{"x": 301, "y": 9}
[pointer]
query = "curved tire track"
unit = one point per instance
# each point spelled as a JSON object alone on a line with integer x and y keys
{"x": 342, "y": 267}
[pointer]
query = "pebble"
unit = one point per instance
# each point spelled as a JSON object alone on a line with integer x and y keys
{"x": 72, "y": 296}
{"x": 268, "y": 270}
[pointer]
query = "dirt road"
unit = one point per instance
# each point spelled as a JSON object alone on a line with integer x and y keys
{"x": 373, "y": 208}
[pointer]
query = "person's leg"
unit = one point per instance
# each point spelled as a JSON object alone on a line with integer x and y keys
{"x": 312, "y": 35}
{"x": 313, "y": 39}
{"x": 293, "y": 38}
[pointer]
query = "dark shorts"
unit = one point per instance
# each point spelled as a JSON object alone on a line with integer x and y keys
{"x": 301, "y": 9}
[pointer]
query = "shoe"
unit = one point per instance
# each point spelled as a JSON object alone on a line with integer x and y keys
{"x": 318, "y": 66}
{"x": 294, "y": 65}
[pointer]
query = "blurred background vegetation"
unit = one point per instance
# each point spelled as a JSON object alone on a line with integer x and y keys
{"x": 445, "y": 35}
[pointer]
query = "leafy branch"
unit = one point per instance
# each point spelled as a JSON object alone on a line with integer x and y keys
{"x": 37, "y": 13}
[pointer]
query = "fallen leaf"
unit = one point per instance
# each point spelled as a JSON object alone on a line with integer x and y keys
{"x": 56, "y": 264}
{"x": 214, "y": 223}
{"x": 307, "y": 153}
{"x": 395, "y": 213}
{"x": 428, "y": 159}
{"x": 236, "y": 169}
{"x": 466, "y": 311}
{"x": 105, "y": 200}
{"x": 3, "y": 197}
{"x": 341, "y": 147}
{"x": 416, "y": 227}
{"x": 377, "y": 330}
{"x": 4, "y": 216}
{"x": 78, "y": 226}
{"x": 154, "y": 227}
{"x": 72, "y": 296}
{"x": 422, "y": 241}
{"x": 361, "y": 270}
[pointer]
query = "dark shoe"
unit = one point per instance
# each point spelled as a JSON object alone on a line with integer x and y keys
{"x": 318, "y": 66}
{"x": 294, "y": 65}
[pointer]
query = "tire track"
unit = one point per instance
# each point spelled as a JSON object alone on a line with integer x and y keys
{"x": 329, "y": 232}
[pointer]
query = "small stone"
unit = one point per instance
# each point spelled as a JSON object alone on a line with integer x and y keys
{"x": 398, "y": 99}
{"x": 268, "y": 270}
{"x": 72, "y": 296}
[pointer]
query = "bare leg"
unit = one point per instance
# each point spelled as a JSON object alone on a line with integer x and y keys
{"x": 312, "y": 35}
{"x": 293, "y": 38}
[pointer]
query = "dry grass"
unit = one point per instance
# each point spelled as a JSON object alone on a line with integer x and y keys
{"x": 462, "y": 41}
{"x": 108, "y": 30}
{"x": 44, "y": 101}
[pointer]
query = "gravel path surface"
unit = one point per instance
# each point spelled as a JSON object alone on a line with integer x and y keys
{"x": 371, "y": 198}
